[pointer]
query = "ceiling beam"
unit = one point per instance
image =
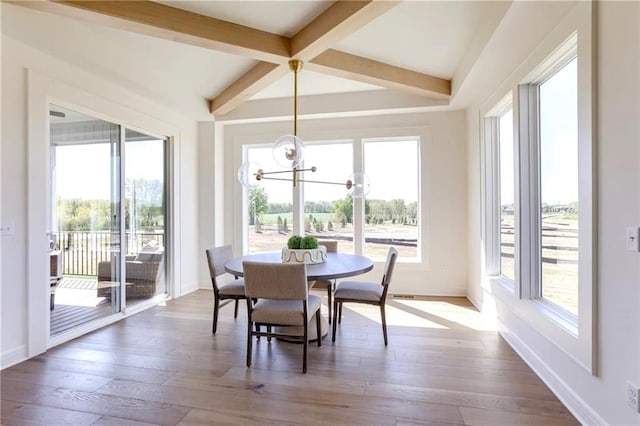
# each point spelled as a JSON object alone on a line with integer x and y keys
{"x": 313, "y": 41}
{"x": 345, "y": 65}
{"x": 336, "y": 22}
{"x": 170, "y": 23}
{"x": 341, "y": 19}
{"x": 254, "y": 80}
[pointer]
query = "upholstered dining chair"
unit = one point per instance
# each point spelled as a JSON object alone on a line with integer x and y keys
{"x": 365, "y": 292}
{"x": 234, "y": 290}
{"x": 278, "y": 295}
{"x": 332, "y": 247}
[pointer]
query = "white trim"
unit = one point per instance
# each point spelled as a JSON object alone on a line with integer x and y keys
{"x": 578, "y": 407}
{"x": 358, "y": 136}
{"x": 42, "y": 91}
{"x": 13, "y": 356}
{"x": 553, "y": 52}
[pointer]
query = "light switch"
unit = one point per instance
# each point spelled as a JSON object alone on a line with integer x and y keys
{"x": 7, "y": 228}
{"x": 633, "y": 234}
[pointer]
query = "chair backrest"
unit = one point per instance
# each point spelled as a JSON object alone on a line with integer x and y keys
{"x": 331, "y": 245}
{"x": 216, "y": 258}
{"x": 283, "y": 281}
{"x": 392, "y": 255}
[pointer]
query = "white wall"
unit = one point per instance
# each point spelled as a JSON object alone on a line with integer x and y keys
{"x": 443, "y": 270}
{"x": 599, "y": 398}
{"x": 16, "y": 59}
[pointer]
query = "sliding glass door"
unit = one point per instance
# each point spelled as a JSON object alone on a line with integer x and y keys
{"x": 108, "y": 218}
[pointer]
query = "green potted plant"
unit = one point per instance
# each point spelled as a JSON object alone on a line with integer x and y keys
{"x": 303, "y": 250}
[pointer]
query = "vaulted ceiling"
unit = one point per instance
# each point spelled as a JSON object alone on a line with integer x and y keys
{"x": 228, "y": 53}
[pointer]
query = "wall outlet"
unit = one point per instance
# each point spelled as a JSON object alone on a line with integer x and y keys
{"x": 633, "y": 393}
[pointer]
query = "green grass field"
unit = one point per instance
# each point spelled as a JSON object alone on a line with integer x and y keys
{"x": 272, "y": 219}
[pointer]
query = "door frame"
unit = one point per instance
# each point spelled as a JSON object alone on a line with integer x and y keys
{"x": 43, "y": 91}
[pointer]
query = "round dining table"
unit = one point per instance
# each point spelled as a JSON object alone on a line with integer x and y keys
{"x": 337, "y": 265}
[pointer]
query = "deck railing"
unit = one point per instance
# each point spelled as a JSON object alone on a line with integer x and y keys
{"x": 82, "y": 251}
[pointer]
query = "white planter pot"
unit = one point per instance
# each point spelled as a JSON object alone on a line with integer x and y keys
{"x": 308, "y": 256}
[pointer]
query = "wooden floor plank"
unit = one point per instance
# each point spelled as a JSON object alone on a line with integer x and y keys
{"x": 163, "y": 366}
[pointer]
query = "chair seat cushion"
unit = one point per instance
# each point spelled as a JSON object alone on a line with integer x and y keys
{"x": 233, "y": 288}
{"x": 283, "y": 312}
{"x": 358, "y": 290}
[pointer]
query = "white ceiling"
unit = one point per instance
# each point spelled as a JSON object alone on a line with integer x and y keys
{"x": 424, "y": 36}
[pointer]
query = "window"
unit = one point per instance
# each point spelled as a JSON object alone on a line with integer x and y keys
{"x": 391, "y": 208}
{"x": 389, "y": 215}
{"x": 553, "y": 193}
{"x": 558, "y": 176}
{"x": 501, "y": 253}
{"x": 507, "y": 196}
{"x": 328, "y": 209}
{"x": 270, "y": 206}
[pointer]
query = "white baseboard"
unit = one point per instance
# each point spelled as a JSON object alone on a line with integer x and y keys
{"x": 578, "y": 407}
{"x": 13, "y": 356}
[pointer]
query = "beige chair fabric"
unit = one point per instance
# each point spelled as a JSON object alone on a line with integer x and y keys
{"x": 332, "y": 247}
{"x": 365, "y": 292}
{"x": 283, "y": 299}
{"x": 234, "y": 290}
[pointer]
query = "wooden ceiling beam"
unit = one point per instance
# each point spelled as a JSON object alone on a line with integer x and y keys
{"x": 336, "y": 22}
{"x": 341, "y": 19}
{"x": 253, "y": 81}
{"x": 170, "y": 23}
{"x": 345, "y": 65}
{"x": 311, "y": 44}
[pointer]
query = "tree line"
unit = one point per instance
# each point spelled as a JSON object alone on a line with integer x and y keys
{"x": 376, "y": 211}
{"x": 75, "y": 214}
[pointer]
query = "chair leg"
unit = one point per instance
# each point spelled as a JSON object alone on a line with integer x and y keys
{"x": 269, "y": 331}
{"x": 249, "y": 341}
{"x": 384, "y": 324}
{"x": 340, "y": 313}
{"x": 319, "y": 327}
{"x": 216, "y": 307}
{"x": 235, "y": 310}
{"x": 258, "y": 331}
{"x": 329, "y": 297}
{"x": 305, "y": 346}
{"x": 335, "y": 319}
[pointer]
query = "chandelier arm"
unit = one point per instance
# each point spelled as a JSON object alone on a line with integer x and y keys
{"x": 312, "y": 169}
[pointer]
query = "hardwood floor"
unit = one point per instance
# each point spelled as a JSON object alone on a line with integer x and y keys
{"x": 445, "y": 365}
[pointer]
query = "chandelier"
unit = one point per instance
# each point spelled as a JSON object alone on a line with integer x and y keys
{"x": 288, "y": 152}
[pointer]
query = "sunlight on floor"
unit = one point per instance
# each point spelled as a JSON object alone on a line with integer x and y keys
{"x": 75, "y": 297}
{"x": 433, "y": 314}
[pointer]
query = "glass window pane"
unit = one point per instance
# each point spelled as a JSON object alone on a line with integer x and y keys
{"x": 270, "y": 219}
{"x": 507, "y": 195}
{"x": 391, "y": 207}
{"x": 144, "y": 216}
{"x": 328, "y": 209}
{"x": 559, "y": 188}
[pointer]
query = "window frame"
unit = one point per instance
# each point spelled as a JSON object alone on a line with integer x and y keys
{"x": 575, "y": 337}
{"x": 491, "y": 125}
{"x": 356, "y": 137}
{"x": 417, "y": 140}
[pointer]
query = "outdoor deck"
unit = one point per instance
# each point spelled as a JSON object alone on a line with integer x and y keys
{"x": 76, "y": 302}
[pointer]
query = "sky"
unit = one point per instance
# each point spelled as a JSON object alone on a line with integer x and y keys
{"x": 559, "y": 136}
{"x": 334, "y": 163}
{"x": 82, "y": 171}
{"x": 558, "y": 141}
